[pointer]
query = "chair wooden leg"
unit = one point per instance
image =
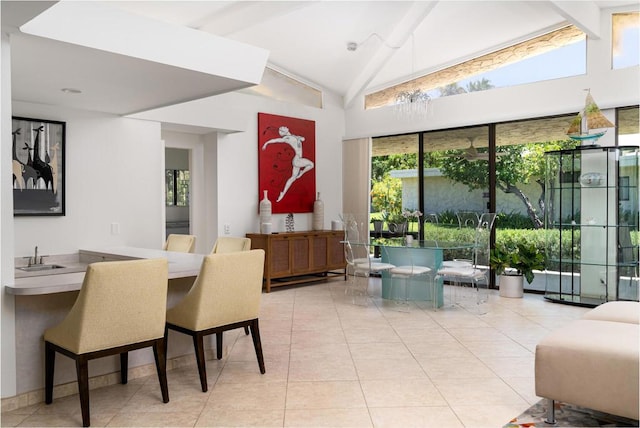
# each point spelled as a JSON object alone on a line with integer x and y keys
{"x": 49, "y": 365}
{"x": 246, "y": 330}
{"x": 161, "y": 367}
{"x": 198, "y": 343}
{"x": 124, "y": 368}
{"x": 82, "y": 370}
{"x": 219, "y": 345}
{"x": 166, "y": 340}
{"x": 257, "y": 344}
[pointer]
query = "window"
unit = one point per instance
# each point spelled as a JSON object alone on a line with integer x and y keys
{"x": 560, "y": 53}
{"x": 177, "y": 187}
{"x": 625, "y": 39}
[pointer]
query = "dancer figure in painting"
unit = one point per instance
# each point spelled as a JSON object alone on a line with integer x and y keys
{"x": 300, "y": 165}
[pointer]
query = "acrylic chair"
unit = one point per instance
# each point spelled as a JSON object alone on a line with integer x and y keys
{"x": 225, "y": 296}
{"x": 401, "y": 276}
{"x": 230, "y": 244}
{"x": 431, "y": 218}
{"x": 467, "y": 219}
{"x": 474, "y": 273}
{"x": 360, "y": 264}
{"x": 180, "y": 243}
{"x": 121, "y": 307}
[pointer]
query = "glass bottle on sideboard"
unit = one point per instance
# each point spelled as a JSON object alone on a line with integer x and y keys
{"x": 591, "y": 217}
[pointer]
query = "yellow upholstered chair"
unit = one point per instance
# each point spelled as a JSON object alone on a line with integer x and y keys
{"x": 225, "y": 296}
{"x": 121, "y": 307}
{"x": 230, "y": 244}
{"x": 180, "y": 243}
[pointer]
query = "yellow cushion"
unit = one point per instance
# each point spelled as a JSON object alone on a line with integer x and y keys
{"x": 120, "y": 303}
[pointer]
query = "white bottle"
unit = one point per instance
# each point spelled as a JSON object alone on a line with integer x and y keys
{"x": 318, "y": 214}
{"x": 265, "y": 213}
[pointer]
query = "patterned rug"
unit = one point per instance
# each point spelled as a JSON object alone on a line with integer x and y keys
{"x": 568, "y": 415}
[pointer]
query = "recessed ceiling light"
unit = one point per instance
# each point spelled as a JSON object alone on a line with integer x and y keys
{"x": 71, "y": 91}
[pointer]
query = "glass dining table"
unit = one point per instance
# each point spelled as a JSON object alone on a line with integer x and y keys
{"x": 429, "y": 253}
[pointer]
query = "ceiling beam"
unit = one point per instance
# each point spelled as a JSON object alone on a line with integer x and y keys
{"x": 405, "y": 27}
{"x": 583, "y": 14}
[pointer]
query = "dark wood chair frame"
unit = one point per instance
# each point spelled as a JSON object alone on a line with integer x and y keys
{"x": 82, "y": 369}
{"x": 198, "y": 343}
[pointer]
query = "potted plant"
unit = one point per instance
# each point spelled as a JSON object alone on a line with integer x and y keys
{"x": 377, "y": 225}
{"x": 514, "y": 265}
{"x": 396, "y": 222}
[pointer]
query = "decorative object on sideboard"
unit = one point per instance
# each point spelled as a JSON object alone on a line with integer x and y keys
{"x": 289, "y": 223}
{"x": 318, "y": 214}
{"x": 265, "y": 213}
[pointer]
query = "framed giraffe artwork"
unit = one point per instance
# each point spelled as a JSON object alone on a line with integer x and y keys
{"x": 286, "y": 163}
{"x": 38, "y": 167}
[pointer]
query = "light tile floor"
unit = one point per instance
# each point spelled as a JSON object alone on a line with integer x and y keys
{"x": 335, "y": 364}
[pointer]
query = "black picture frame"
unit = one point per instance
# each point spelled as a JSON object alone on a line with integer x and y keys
{"x": 38, "y": 164}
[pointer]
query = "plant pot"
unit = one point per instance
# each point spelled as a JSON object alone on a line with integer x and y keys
{"x": 511, "y": 286}
{"x": 398, "y": 228}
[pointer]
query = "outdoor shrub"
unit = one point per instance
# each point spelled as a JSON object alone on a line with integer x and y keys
{"x": 513, "y": 220}
{"x": 448, "y": 218}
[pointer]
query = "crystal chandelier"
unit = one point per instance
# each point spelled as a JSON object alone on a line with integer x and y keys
{"x": 412, "y": 104}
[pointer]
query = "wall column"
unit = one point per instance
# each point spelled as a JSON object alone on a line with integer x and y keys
{"x": 8, "y": 335}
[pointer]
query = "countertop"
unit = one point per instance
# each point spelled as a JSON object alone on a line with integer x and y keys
{"x": 70, "y": 278}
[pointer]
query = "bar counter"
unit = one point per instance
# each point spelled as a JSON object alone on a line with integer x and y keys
{"x": 43, "y": 300}
{"x": 181, "y": 265}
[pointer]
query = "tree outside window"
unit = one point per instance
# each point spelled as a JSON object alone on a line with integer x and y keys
{"x": 177, "y": 187}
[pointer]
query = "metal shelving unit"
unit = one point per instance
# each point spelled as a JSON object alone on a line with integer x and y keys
{"x": 591, "y": 217}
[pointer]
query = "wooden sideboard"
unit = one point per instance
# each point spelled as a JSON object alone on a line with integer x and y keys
{"x": 299, "y": 257}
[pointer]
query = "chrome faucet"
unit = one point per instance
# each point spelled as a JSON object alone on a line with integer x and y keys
{"x": 34, "y": 260}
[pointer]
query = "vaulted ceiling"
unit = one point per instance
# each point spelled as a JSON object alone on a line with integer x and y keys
{"x": 304, "y": 39}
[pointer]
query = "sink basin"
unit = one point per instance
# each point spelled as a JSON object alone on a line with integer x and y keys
{"x": 38, "y": 268}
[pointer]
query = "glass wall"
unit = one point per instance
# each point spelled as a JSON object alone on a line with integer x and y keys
{"x": 456, "y": 176}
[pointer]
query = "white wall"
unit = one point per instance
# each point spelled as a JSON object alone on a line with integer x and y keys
{"x": 612, "y": 88}
{"x": 229, "y": 162}
{"x": 114, "y": 173}
{"x": 8, "y": 357}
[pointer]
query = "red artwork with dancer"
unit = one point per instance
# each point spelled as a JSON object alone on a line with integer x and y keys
{"x": 286, "y": 157}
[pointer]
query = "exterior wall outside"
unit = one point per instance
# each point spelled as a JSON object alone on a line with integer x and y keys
{"x": 442, "y": 194}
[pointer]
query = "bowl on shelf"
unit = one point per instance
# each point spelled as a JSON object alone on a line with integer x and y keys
{"x": 591, "y": 179}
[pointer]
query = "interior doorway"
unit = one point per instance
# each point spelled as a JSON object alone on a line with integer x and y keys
{"x": 177, "y": 186}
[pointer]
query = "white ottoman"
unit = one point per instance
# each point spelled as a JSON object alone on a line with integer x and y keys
{"x": 628, "y": 312}
{"x": 590, "y": 363}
